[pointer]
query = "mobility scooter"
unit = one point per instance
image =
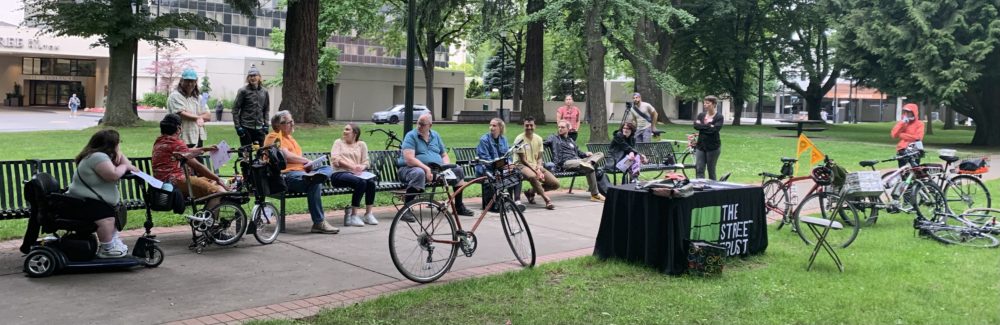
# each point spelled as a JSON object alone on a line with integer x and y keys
{"x": 72, "y": 243}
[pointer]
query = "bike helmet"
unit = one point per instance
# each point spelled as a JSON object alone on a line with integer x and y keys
{"x": 822, "y": 175}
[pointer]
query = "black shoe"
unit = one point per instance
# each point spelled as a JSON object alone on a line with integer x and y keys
{"x": 521, "y": 207}
{"x": 408, "y": 216}
{"x": 315, "y": 178}
{"x": 463, "y": 211}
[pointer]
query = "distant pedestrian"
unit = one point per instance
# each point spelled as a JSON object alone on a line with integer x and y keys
{"x": 250, "y": 110}
{"x": 74, "y": 104}
{"x": 218, "y": 111}
{"x": 184, "y": 101}
{"x": 571, "y": 114}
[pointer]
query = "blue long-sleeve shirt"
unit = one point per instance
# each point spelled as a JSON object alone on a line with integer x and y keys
{"x": 490, "y": 148}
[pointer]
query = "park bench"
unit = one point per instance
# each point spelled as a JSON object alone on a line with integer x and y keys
{"x": 466, "y": 156}
{"x": 794, "y": 128}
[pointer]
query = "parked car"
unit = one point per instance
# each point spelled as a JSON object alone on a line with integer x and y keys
{"x": 395, "y": 114}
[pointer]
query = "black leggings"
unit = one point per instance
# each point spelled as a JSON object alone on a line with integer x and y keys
{"x": 361, "y": 187}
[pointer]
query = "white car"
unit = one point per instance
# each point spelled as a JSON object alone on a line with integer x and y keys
{"x": 395, "y": 114}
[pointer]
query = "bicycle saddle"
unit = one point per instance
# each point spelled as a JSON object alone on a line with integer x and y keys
{"x": 435, "y": 166}
{"x": 949, "y": 159}
{"x": 788, "y": 160}
{"x": 868, "y": 163}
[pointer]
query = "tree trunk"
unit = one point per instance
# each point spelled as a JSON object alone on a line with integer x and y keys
{"x": 118, "y": 109}
{"x": 300, "y": 88}
{"x": 595, "y": 72}
{"x": 518, "y": 70}
{"x": 949, "y": 118}
{"x": 533, "y": 55}
{"x": 813, "y": 101}
{"x": 427, "y": 64}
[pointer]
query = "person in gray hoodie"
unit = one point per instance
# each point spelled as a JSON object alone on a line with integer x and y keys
{"x": 250, "y": 110}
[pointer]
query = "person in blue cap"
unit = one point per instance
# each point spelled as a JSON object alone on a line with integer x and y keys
{"x": 250, "y": 110}
{"x": 184, "y": 101}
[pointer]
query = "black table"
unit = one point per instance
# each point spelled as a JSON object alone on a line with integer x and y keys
{"x": 800, "y": 123}
{"x": 638, "y": 226}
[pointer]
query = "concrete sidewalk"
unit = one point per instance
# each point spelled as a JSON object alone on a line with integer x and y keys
{"x": 250, "y": 277}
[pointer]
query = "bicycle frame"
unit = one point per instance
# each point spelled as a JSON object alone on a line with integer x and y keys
{"x": 391, "y": 141}
{"x": 787, "y": 185}
{"x": 450, "y": 204}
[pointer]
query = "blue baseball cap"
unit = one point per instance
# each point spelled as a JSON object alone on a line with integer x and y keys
{"x": 189, "y": 74}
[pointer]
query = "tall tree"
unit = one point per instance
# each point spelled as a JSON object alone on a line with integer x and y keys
{"x": 115, "y": 26}
{"x": 945, "y": 51}
{"x": 299, "y": 89}
{"x": 533, "y": 57}
{"x": 593, "y": 33}
{"x": 717, "y": 54}
{"x": 800, "y": 33}
{"x": 504, "y": 21}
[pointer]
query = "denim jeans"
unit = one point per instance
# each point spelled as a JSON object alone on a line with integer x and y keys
{"x": 314, "y": 196}
{"x": 362, "y": 187}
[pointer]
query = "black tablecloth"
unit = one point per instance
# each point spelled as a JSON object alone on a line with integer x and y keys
{"x": 638, "y": 226}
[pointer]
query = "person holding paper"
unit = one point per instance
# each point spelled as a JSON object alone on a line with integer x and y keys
{"x": 297, "y": 176}
{"x": 168, "y": 149}
{"x": 349, "y": 157}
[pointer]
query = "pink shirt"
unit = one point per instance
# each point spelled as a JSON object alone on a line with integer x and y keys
{"x": 571, "y": 114}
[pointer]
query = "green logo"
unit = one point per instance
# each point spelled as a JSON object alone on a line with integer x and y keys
{"x": 705, "y": 223}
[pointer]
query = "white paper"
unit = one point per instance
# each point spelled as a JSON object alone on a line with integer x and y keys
{"x": 365, "y": 175}
{"x": 319, "y": 161}
{"x": 220, "y": 157}
{"x": 152, "y": 181}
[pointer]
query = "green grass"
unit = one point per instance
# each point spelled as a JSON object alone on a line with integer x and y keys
{"x": 891, "y": 277}
{"x": 746, "y": 151}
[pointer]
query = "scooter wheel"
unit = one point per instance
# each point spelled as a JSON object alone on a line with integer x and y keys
{"x": 154, "y": 256}
{"x": 40, "y": 263}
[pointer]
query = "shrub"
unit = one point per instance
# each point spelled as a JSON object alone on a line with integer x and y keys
{"x": 226, "y": 103}
{"x": 154, "y": 100}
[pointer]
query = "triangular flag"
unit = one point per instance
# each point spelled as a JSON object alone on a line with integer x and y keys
{"x": 817, "y": 156}
{"x": 803, "y": 145}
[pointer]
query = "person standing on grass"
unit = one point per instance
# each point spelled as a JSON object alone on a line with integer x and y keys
{"x": 644, "y": 116}
{"x": 529, "y": 160}
{"x": 250, "y": 110}
{"x": 74, "y": 104}
{"x": 184, "y": 102}
{"x": 909, "y": 130}
{"x": 349, "y": 158}
{"x": 708, "y": 124}
{"x": 571, "y": 114}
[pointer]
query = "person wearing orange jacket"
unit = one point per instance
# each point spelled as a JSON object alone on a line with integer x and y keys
{"x": 908, "y": 130}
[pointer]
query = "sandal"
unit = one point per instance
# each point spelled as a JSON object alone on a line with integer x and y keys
{"x": 549, "y": 205}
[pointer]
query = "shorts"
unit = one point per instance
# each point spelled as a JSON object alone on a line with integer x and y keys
{"x": 200, "y": 185}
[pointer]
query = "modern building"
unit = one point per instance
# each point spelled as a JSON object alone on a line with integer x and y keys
{"x": 46, "y": 71}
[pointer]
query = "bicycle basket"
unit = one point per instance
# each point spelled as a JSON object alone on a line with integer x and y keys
{"x": 507, "y": 179}
{"x": 162, "y": 200}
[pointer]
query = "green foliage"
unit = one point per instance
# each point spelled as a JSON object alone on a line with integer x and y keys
{"x": 154, "y": 99}
{"x": 206, "y": 86}
{"x": 499, "y": 75}
{"x": 226, "y": 103}
{"x": 474, "y": 89}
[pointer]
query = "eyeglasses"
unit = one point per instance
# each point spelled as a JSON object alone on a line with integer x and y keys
{"x": 425, "y": 124}
{"x": 287, "y": 122}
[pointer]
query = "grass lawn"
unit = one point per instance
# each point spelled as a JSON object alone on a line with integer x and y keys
{"x": 746, "y": 151}
{"x": 891, "y": 277}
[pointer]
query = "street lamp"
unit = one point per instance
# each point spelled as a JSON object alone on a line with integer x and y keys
{"x": 411, "y": 46}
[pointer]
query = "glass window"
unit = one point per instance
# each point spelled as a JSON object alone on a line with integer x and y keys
{"x": 228, "y": 19}
{"x": 62, "y": 67}
{"x": 86, "y": 68}
{"x": 251, "y": 41}
{"x": 46, "y": 67}
{"x": 26, "y": 66}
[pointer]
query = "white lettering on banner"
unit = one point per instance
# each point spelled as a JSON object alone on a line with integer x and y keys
{"x": 733, "y": 233}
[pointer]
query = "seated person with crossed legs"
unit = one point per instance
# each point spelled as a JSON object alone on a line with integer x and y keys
{"x": 421, "y": 148}
{"x": 568, "y": 156}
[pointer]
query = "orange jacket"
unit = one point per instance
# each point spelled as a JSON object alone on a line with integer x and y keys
{"x": 910, "y": 132}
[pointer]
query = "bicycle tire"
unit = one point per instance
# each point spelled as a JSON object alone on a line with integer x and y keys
{"x": 515, "y": 228}
{"x": 821, "y": 205}
{"x": 927, "y": 201}
{"x": 265, "y": 219}
{"x": 962, "y": 236}
{"x": 231, "y": 224}
{"x": 684, "y": 161}
{"x": 429, "y": 216}
{"x": 963, "y": 192}
{"x": 776, "y": 197}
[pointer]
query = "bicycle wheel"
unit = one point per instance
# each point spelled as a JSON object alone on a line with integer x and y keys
{"x": 823, "y": 205}
{"x": 776, "y": 201}
{"x": 927, "y": 201}
{"x": 963, "y": 236}
{"x": 414, "y": 245}
{"x": 231, "y": 223}
{"x": 965, "y": 192}
{"x": 265, "y": 219}
{"x": 686, "y": 159}
{"x": 515, "y": 227}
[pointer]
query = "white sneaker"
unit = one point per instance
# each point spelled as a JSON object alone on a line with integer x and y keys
{"x": 354, "y": 221}
{"x": 370, "y": 219}
{"x": 117, "y": 250}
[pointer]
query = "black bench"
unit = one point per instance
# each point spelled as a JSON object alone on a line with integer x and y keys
{"x": 466, "y": 155}
{"x": 793, "y": 128}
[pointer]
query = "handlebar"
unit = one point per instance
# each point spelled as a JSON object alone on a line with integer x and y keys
{"x": 390, "y": 133}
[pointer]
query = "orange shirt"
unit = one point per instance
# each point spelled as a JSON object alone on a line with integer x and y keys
{"x": 291, "y": 145}
{"x": 571, "y": 114}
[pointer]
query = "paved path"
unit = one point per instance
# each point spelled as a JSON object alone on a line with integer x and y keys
{"x": 253, "y": 279}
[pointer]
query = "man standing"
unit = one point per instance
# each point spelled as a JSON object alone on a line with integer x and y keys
{"x": 421, "y": 148}
{"x": 184, "y": 102}
{"x": 644, "y": 116}
{"x": 529, "y": 160}
{"x": 250, "y": 110}
{"x": 298, "y": 178}
{"x": 571, "y": 114}
{"x": 567, "y": 155}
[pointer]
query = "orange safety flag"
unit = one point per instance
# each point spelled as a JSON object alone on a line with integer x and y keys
{"x": 817, "y": 156}
{"x": 804, "y": 144}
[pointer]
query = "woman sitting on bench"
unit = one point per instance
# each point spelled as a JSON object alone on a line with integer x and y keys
{"x": 349, "y": 158}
